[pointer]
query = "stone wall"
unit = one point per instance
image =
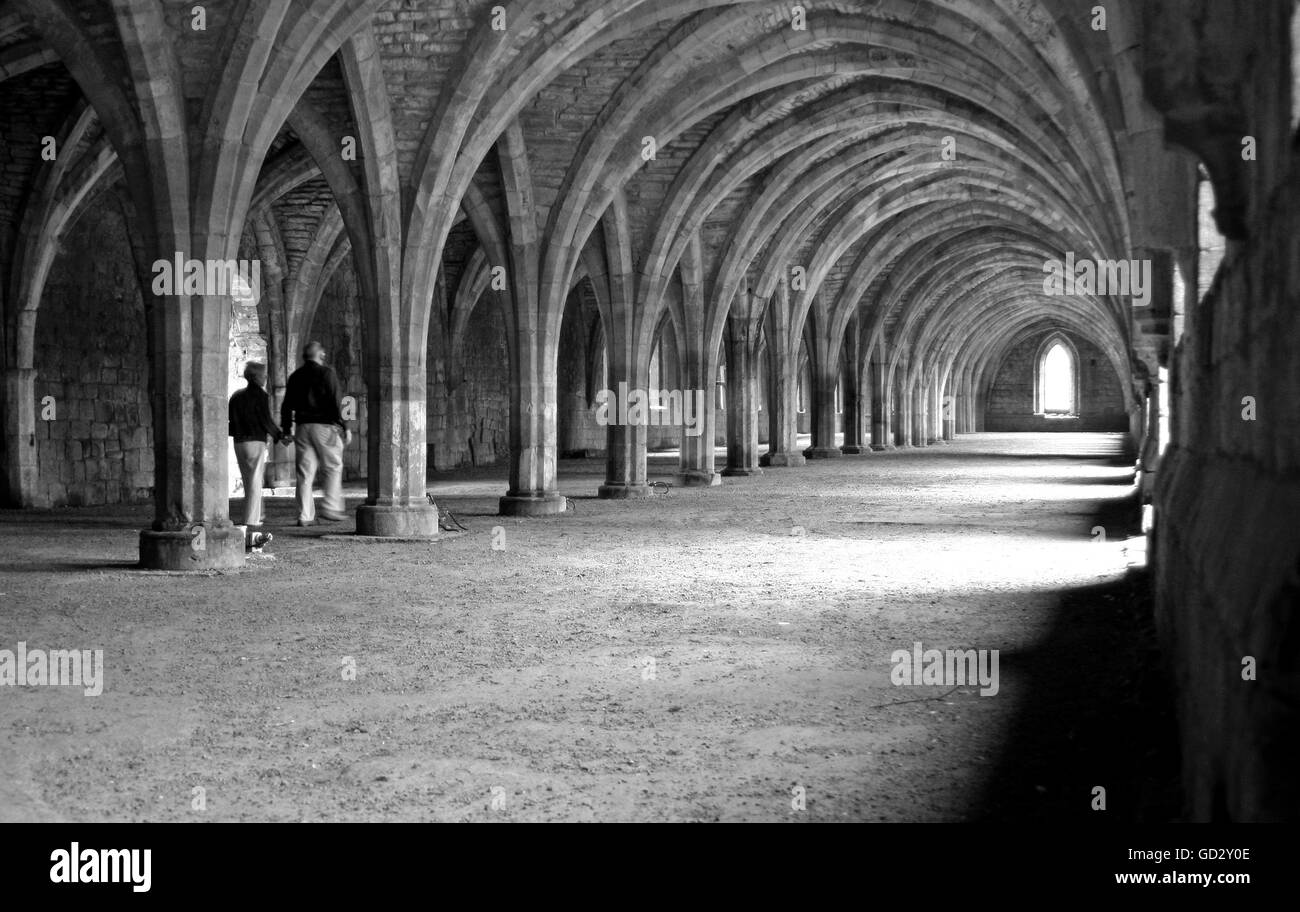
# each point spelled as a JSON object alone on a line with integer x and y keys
{"x": 91, "y": 358}
{"x": 469, "y": 414}
{"x": 578, "y": 431}
{"x": 1010, "y": 401}
{"x": 1227, "y": 550}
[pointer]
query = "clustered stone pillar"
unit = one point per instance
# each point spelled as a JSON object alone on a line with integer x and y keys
{"x": 918, "y": 431}
{"x": 782, "y": 395}
{"x": 825, "y": 380}
{"x": 949, "y": 411}
{"x": 879, "y": 408}
{"x": 191, "y": 529}
{"x": 967, "y": 417}
{"x": 933, "y": 411}
{"x": 533, "y": 434}
{"x": 625, "y": 462}
{"x": 697, "y": 464}
{"x": 854, "y": 442}
{"x": 782, "y": 384}
{"x": 625, "y": 444}
{"x": 742, "y": 400}
{"x": 901, "y": 422}
{"x": 396, "y": 456}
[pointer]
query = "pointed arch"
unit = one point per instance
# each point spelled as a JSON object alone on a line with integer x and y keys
{"x": 1057, "y": 387}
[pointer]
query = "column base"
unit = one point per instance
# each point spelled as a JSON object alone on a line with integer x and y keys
{"x": 533, "y": 505}
{"x": 222, "y": 549}
{"x": 881, "y": 447}
{"x": 782, "y": 459}
{"x": 822, "y": 452}
{"x": 622, "y": 491}
{"x": 420, "y": 521}
{"x": 697, "y": 479}
{"x": 854, "y": 450}
{"x": 740, "y": 472}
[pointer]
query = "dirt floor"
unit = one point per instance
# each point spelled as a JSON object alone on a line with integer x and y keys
{"x": 694, "y": 656}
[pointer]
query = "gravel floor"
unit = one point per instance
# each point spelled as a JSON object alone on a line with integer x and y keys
{"x": 709, "y": 654}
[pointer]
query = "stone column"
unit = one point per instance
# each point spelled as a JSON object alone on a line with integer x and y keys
{"x": 628, "y": 404}
{"x": 782, "y": 401}
{"x": 696, "y": 467}
{"x": 825, "y": 377}
{"x": 918, "y": 422}
{"x": 966, "y": 396}
{"x": 879, "y": 409}
{"x": 189, "y": 348}
{"x": 1151, "y": 443}
{"x": 949, "y": 411}
{"x": 853, "y": 425}
{"x": 901, "y": 422}
{"x": 742, "y": 400}
{"x": 534, "y": 431}
{"x": 933, "y": 410}
{"x": 397, "y": 455}
{"x": 625, "y": 443}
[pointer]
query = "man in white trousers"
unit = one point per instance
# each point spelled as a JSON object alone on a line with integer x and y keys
{"x": 311, "y": 400}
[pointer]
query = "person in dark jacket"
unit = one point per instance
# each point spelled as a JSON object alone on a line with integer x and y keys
{"x": 311, "y": 401}
{"x": 250, "y": 424}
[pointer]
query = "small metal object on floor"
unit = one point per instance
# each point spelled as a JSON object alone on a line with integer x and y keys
{"x": 447, "y": 520}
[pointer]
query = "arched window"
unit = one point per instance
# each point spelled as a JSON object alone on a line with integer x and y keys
{"x": 1057, "y": 389}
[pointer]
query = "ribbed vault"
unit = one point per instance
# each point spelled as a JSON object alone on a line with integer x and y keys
{"x": 871, "y": 188}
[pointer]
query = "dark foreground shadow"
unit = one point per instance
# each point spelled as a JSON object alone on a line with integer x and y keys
{"x": 1099, "y": 713}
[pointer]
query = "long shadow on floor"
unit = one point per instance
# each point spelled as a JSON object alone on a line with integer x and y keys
{"x": 1099, "y": 712}
{"x": 1108, "y": 460}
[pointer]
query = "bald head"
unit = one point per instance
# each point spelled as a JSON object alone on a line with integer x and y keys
{"x": 314, "y": 351}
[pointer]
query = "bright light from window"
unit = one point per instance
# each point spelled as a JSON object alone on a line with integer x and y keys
{"x": 1058, "y": 380}
{"x": 1209, "y": 241}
